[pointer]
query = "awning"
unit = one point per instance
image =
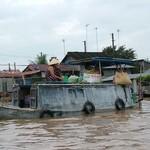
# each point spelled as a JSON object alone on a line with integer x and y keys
{"x": 100, "y": 59}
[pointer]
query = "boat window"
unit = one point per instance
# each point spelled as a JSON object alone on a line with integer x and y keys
{"x": 80, "y": 93}
{"x": 72, "y": 93}
{"x": 76, "y": 93}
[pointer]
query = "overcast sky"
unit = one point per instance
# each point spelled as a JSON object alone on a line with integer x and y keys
{"x": 28, "y": 27}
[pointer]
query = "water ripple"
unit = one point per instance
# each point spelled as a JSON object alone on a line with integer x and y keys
{"x": 127, "y": 130}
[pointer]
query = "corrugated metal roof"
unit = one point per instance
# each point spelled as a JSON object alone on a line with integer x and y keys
{"x": 117, "y": 61}
{"x": 142, "y": 60}
{"x": 43, "y": 67}
{"x": 132, "y": 76}
{"x": 122, "y": 66}
{"x": 82, "y": 55}
{"x": 31, "y": 67}
{"x": 10, "y": 71}
{"x": 68, "y": 68}
{"x": 9, "y": 75}
{"x": 147, "y": 71}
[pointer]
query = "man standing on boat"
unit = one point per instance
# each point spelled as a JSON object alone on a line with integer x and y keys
{"x": 53, "y": 72}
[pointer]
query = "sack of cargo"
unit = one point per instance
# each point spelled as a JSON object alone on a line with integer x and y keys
{"x": 73, "y": 79}
{"x": 122, "y": 78}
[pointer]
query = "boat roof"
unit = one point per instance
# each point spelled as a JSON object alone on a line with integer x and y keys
{"x": 100, "y": 59}
{"x": 122, "y": 65}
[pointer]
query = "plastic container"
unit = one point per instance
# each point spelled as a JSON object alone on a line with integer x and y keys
{"x": 134, "y": 98}
{"x": 65, "y": 78}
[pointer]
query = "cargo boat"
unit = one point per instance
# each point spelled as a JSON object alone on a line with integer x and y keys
{"x": 60, "y": 99}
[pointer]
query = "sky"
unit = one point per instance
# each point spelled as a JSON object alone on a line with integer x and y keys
{"x": 55, "y": 27}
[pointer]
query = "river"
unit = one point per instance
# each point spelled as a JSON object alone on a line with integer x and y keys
{"x": 115, "y": 130}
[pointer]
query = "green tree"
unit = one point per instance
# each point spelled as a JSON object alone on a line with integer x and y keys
{"x": 121, "y": 52}
{"x": 40, "y": 59}
{"x": 137, "y": 67}
{"x": 145, "y": 78}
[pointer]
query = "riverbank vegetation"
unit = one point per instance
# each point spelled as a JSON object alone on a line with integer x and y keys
{"x": 144, "y": 79}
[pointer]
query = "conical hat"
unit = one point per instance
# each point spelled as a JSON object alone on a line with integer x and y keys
{"x": 54, "y": 61}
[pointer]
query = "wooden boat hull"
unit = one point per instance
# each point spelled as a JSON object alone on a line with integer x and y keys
{"x": 51, "y": 100}
{"x": 18, "y": 113}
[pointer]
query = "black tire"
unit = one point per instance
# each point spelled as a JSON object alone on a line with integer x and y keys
{"x": 89, "y": 107}
{"x": 43, "y": 112}
{"x": 120, "y": 105}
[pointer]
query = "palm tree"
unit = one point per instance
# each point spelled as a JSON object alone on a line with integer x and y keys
{"x": 40, "y": 59}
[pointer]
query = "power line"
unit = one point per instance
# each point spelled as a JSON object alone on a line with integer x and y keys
{"x": 12, "y": 65}
{"x": 8, "y": 55}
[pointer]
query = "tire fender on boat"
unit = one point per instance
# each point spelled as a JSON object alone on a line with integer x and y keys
{"x": 119, "y": 103}
{"x": 43, "y": 112}
{"x": 89, "y": 107}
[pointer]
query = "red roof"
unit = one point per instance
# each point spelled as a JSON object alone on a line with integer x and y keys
{"x": 18, "y": 74}
{"x": 43, "y": 67}
{"x": 35, "y": 68}
{"x": 31, "y": 67}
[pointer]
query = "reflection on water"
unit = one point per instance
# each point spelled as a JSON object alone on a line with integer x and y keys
{"x": 125, "y": 130}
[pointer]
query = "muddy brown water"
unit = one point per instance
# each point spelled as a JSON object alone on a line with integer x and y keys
{"x": 115, "y": 130}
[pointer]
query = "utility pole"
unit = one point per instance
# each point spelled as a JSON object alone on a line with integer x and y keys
{"x": 96, "y": 38}
{"x": 86, "y": 26}
{"x": 113, "y": 46}
{"x": 64, "y": 46}
{"x": 41, "y": 54}
{"x": 14, "y": 66}
{"x": 84, "y": 46}
{"x": 9, "y": 67}
{"x": 118, "y": 37}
